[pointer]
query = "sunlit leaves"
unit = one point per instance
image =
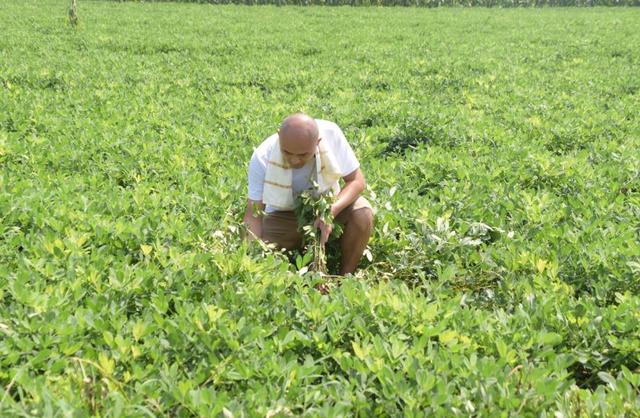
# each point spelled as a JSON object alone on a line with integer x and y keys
{"x": 502, "y": 275}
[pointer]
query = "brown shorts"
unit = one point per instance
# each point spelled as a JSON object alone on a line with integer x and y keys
{"x": 281, "y": 227}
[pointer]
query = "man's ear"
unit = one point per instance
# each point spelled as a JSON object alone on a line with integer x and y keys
{"x": 319, "y": 139}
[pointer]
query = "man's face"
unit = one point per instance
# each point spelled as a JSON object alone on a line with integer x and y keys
{"x": 297, "y": 151}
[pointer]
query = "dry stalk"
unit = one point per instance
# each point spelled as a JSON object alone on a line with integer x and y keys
{"x": 73, "y": 13}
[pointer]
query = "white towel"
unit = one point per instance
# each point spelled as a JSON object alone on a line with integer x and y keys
{"x": 278, "y": 192}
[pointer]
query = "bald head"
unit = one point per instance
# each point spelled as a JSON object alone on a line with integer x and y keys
{"x": 299, "y": 137}
{"x": 300, "y": 125}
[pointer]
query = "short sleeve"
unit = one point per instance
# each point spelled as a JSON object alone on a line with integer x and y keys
{"x": 256, "y": 177}
{"x": 343, "y": 152}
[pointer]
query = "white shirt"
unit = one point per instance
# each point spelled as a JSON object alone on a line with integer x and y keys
{"x": 337, "y": 143}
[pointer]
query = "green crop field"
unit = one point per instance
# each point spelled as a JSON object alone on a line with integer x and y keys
{"x": 501, "y": 151}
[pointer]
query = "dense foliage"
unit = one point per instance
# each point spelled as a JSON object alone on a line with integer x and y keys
{"x": 421, "y": 3}
{"x": 501, "y": 152}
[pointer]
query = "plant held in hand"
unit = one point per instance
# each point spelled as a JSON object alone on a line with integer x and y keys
{"x": 313, "y": 210}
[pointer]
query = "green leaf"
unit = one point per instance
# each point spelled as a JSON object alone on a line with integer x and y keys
{"x": 107, "y": 364}
{"x": 146, "y": 249}
{"x": 607, "y": 378}
{"x": 360, "y": 351}
{"x": 138, "y": 330}
{"x": 549, "y": 338}
{"x": 448, "y": 337}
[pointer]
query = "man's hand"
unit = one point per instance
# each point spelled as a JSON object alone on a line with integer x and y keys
{"x": 325, "y": 230}
{"x": 252, "y": 220}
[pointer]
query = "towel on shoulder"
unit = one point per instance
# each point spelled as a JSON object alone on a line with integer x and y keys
{"x": 278, "y": 191}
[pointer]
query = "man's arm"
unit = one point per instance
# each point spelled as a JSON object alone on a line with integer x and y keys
{"x": 354, "y": 184}
{"x": 252, "y": 220}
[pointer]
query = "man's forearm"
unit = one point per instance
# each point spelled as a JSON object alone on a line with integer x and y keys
{"x": 347, "y": 196}
{"x": 254, "y": 225}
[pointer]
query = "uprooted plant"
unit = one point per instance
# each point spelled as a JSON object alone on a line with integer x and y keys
{"x": 310, "y": 206}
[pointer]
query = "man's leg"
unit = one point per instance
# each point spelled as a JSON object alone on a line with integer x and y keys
{"x": 358, "y": 226}
{"x": 281, "y": 228}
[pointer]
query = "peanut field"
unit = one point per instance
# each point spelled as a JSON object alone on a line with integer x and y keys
{"x": 501, "y": 152}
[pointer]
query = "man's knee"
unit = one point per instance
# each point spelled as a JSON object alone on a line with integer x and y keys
{"x": 362, "y": 221}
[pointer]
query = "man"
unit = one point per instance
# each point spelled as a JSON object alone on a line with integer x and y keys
{"x": 285, "y": 164}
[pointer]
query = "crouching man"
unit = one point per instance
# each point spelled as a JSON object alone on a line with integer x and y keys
{"x": 305, "y": 150}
